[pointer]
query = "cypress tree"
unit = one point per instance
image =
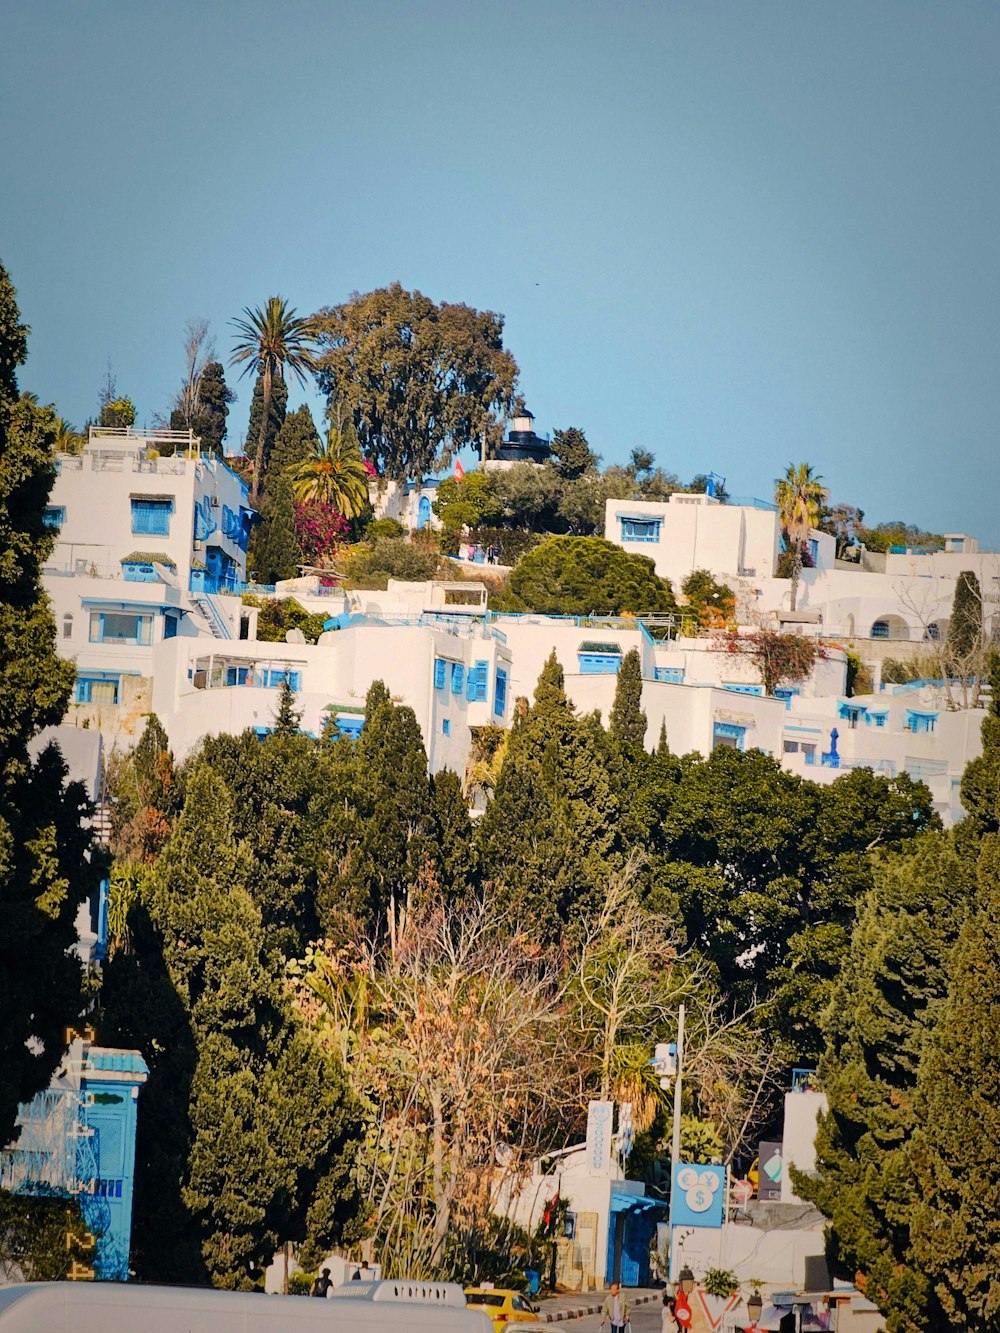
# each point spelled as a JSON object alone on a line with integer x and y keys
{"x": 981, "y": 779}
{"x": 965, "y": 628}
{"x": 453, "y": 836}
{"x": 211, "y": 411}
{"x": 145, "y": 795}
{"x": 628, "y": 721}
{"x": 296, "y": 440}
{"x": 884, "y": 1005}
{"x": 275, "y": 552}
{"x": 45, "y": 871}
{"x": 287, "y": 718}
{"x": 279, "y": 405}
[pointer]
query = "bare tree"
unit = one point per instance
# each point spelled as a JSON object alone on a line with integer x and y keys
{"x": 199, "y": 350}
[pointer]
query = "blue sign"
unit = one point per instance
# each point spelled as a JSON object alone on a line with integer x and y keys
{"x": 698, "y": 1195}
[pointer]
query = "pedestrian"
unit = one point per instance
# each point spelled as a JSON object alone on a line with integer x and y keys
{"x": 616, "y": 1308}
{"x": 367, "y": 1274}
{"x": 668, "y": 1315}
{"x": 683, "y": 1312}
{"x": 356, "y": 1275}
{"x": 321, "y": 1285}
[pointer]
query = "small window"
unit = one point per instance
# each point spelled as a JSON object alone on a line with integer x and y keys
{"x": 500, "y": 694}
{"x": 736, "y": 687}
{"x": 169, "y": 626}
{"x": 446, "y": 726}
{"x": 67, "y": 628}
{"x": 814, "y": 551}
{"x": 123, "y": 627}
{"x": 478, "y": 683}
{"x": 457, "y": 677}
{"x": 238, "y": 675}
{"x": 880, "y": 630}
{"x": 728, "y": 736}
{"x": 275, "y": 678}
{"x": 440, "y": 669}
{"x": 671, "y": 675}
{"x": 55, "y": 516}
{"x": 93, "y": 690}
{"x": 151, "y": 517}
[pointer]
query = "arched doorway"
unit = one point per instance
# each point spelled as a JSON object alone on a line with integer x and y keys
{"x": 423, "y": 512}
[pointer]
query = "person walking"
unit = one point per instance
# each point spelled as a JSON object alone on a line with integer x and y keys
{"x": 616, "y": 1309}
{"x": 321, "y": 1285}
{"x": 668, "y": 1315}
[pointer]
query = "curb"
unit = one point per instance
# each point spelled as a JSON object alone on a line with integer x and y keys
{"x": 578, "y": 1312}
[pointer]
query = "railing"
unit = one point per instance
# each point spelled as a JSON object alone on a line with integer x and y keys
{"x": 154, "y": 436}
{"x": 750, "y": 502}
{"x": 461, "y": 627}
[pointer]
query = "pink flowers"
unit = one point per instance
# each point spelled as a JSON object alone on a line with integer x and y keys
{"x": 319, "y": 528}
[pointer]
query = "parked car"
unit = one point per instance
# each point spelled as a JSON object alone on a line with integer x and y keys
{"x": 503, "y": 1307}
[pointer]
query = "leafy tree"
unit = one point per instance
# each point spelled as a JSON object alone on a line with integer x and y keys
{"x": 68, "y": 440}
{"x": 277, "y": 615}
{"x": 203, "y": 403}
{"x": 897, "y": 533}
{"x": 453, "y": 835}
{"x": 627, "y": 723}
{"x": 335, "y": 474}
{"x": 845, "y": 523}
{"x": 371, "y": 564}
{"x": 275, "y": 551}
{"x": 588, "y": 576}
{"x": 45, "y": 870}
{"x": 893, "y": 981}
{"x": 981, "y": 779}
{"x": 421, "y": 380}
{"x": 144, "y": 796}
{"x": 714, "y": 603}
{"x": 780, "y": 658}
{"x": 119, "y": 412}
{"x": 470, "y": 502}
{"x": 321, "y": 530}
{"x": 573, "y": 455}
{"x": 275, "y": 342}
{"x": 800, "y": 496}
{"x": 35, "y": 1237}
{"x": 272, "y": 424}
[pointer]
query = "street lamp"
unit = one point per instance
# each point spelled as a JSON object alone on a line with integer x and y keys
{"x": 685, "y": 1280}
{"x": 755, "y": 1306}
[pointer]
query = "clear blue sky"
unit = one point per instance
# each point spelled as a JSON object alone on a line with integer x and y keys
{"x": 736, "y": 234}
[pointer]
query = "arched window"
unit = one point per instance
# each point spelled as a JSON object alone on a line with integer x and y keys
{"x": 880, "y": 630}
{"x": 423, "y": 512}
{"x": 68, "y": 625}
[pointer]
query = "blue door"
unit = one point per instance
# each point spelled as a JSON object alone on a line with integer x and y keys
{"x": 423, "y": 512}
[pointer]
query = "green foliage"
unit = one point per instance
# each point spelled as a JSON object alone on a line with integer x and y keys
{"x": 780, "y": 658}
{"x": 45, "y": 865}
{"x": 572, "y": 454}
{"x": 587, "y": 576}
{"x": 981, "y": 779}
{"x": 384, "y": 527}
{"x": 421, "y": 380}
{"x": 965, "y": 628}
{"x": 144, "y": 796}
{"x": 211, "y": 408}
{"x": 287, "y": 718}
{"x": 41, "y": 1238}
{"x": 273, "y": 423}
{"x": 714, "y": 603}
{"x": 953, "y": 1154}
{"x": 882, "y": 1009}
{"x": 896, "y": 533}
{"x": 296, "y": 441}
{"x": 627, "y": 723}
{"x": 117, "y": 412}
{"x": 900, "y": 671}
{"x": 371, "y": 564}
{"x": 720, "y": 1282}
{"x": 277, "y": 615}
{"x": 275, "y": 553}
{"x": 859, "y": 675}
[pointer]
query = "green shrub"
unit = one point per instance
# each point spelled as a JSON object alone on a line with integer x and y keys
{"x": 384, "y": 527}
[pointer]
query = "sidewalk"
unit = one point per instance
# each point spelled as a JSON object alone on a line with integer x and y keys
{"x": 575, "y": 1304}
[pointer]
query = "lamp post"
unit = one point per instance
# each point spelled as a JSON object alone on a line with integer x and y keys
{"x": 755, "y": 1307}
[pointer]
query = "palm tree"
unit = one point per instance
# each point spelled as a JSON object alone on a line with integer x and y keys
{"x": 800, "y": 496}
{"x": 271, "y": 341}
{"x": 335, "y": 475}
{"x": 68, "y": 439}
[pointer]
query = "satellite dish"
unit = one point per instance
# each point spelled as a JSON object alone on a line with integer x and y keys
{"x": 294, "y": 636}
{"x": 504, "y": 1154}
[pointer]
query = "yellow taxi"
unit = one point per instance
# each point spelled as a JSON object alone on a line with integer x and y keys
{"x": 503, "y": 1307}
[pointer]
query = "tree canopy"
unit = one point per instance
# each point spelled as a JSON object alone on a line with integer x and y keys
{"x": 587, "y": 576}
{"x": 422, "y": 380}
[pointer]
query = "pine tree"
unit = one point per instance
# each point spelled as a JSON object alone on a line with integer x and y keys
{"x": 275, "y": 552}
{"x": 884, "y": 1005}
{"x": 276, "y": 417}
{"x": 287, "y": 718}
{"x": 628, "y": 721}
{"x": 573, "y": 455}
{"x": 45, "y": 870}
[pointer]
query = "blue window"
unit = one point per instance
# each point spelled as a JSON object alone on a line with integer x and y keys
{"x": 123, "y": 627}
{"x": 640, "y": 529}
{"x": 880, "y": 630}
{"x": 814, "y": 551}
{"x": 55, "y": 516}
{"x": 599, "y": 659}
{"x": 457, "y": 677}
{"x": 728, "y": 736}
{"x": 139, "y": 571}
{"x": 500, "y": 693}
{"x": 169, "y": 625}
{"x": 349, "y": 726}
{"x": 440, "y": 669}
{"x": 446, "y": 726}
{"x": 97, "y": 690}
{"x": 151, "y": 517}
{"x": 921, "y": 723}
{"x": 238, "y": 675}
{"x": 478, "y": 683}
{"x": 785, "y": 692}
{"x": 735, "y": 688}
{"x": 672, "y": 675}
{"x": 274, "y": 678}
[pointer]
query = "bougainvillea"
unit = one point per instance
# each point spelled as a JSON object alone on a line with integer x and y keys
{"x": 319, "y": 528}
{"x": 780, "y": 658}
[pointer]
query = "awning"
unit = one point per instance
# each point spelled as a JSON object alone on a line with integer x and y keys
{"x": 636, "y": 1203}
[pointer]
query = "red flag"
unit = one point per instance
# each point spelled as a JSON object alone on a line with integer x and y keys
{"x": 459, "y": 470}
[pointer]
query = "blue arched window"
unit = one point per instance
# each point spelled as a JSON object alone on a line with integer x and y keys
{"x": 423, "y": 512}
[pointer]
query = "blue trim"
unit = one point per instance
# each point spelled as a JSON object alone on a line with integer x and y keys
{"x": 446, "y": 726}
{"x": 500, "y": 693}
{"x": 440, "y": 670}
{"x": 54, "y": 516}
{"x": 151, "y": 518}
{"x": 457, "y": 677}
{"x": 670, "y": 675}
{"x": 599, "y": 664}
{"x": 477, "y": 683}
{"x": 733, "y": 688}
{"x": 640, "y": 529}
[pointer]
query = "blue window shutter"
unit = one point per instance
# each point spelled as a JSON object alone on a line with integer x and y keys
{"x": 151, "y": 517}
{"x": 457, "y": 677}
{"x": 478, "y": 682}
{"x": 446, "y": 726}
{"x": 500, "y": 694}
{"x": 439, "y": 672}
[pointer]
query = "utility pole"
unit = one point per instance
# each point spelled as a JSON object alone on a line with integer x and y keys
{"x": 675, "y": 1144}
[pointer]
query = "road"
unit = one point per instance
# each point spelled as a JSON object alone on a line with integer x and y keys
{"x": 645, "y": 1319}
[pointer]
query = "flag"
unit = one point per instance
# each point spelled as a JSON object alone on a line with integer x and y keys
{"x": 459, "y": 470}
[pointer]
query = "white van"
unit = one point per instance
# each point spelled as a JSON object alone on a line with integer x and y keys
{"x": 111, "y": 1307}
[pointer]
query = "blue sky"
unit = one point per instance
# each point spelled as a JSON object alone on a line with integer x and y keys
{"x": 736, "y": 234}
